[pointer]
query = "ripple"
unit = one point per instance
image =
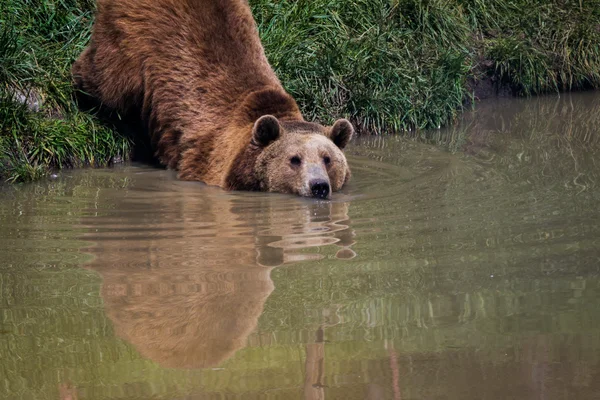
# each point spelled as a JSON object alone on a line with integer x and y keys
{"x": 432, "y": 260}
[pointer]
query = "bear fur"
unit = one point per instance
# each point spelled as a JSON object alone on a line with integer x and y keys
{"x": 196, "y": 75}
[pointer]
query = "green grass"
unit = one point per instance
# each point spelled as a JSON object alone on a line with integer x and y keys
{"x": 539, "y": 46}
{"x": 388, "y": 65}
{"x": 405, "y": 64}
{"x": 39, "y": 40}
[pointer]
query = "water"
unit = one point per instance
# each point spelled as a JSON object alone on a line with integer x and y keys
{"x": 462, "y": 264}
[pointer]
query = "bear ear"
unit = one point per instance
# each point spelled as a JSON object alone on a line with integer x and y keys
{"x": 266, "y": 130}
{"x": 341, "y": 133}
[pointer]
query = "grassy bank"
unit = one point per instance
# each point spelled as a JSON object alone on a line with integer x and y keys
{"x": 40, "y": 125}
{"x": 389, "y": 65}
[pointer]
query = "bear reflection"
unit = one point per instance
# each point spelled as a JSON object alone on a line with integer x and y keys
{"x": 187, "y": 287}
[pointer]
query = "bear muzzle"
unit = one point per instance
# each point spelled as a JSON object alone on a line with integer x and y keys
{"x": 318, "y": 182}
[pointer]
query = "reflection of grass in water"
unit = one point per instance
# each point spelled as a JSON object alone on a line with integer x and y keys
{"x": 363, "y": 305}
{"x": 70, "y": 341}
{"x": 365, "y": 309}
{"x": 545, "y": 139}
{"x": 37, "y": 219}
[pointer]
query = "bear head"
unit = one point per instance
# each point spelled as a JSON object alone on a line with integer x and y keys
{"x": 301, "y": 158}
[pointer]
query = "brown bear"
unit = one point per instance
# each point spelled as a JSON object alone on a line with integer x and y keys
{"x": 195, "y": 73}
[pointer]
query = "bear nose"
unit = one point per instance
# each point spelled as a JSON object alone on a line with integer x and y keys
{"x": 319, "y": 188}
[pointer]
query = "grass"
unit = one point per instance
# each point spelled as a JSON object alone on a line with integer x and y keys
{"x": 405, "y": 64}
{"x": 41, "y": 128}
{"x": 388, "y": 65}
{"x": 539, "y": 46}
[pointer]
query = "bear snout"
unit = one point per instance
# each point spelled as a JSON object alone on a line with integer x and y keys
{"x": 320, "y": 188}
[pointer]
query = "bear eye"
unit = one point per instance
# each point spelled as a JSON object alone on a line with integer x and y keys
{"x": 326, "y": 160}
{"x": 295, "y": 160}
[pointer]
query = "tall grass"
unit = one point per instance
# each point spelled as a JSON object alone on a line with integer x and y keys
{"x": 536, "y": 46}
{"x": 388, "y": 65}
{"x": 394, "y": 65}
{"x": 40, "y": 125}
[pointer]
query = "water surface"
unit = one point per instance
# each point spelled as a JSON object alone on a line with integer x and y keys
{"x": 460, "y": 264}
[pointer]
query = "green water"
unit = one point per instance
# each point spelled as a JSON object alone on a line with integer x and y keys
{"x": 462, "y": 264}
